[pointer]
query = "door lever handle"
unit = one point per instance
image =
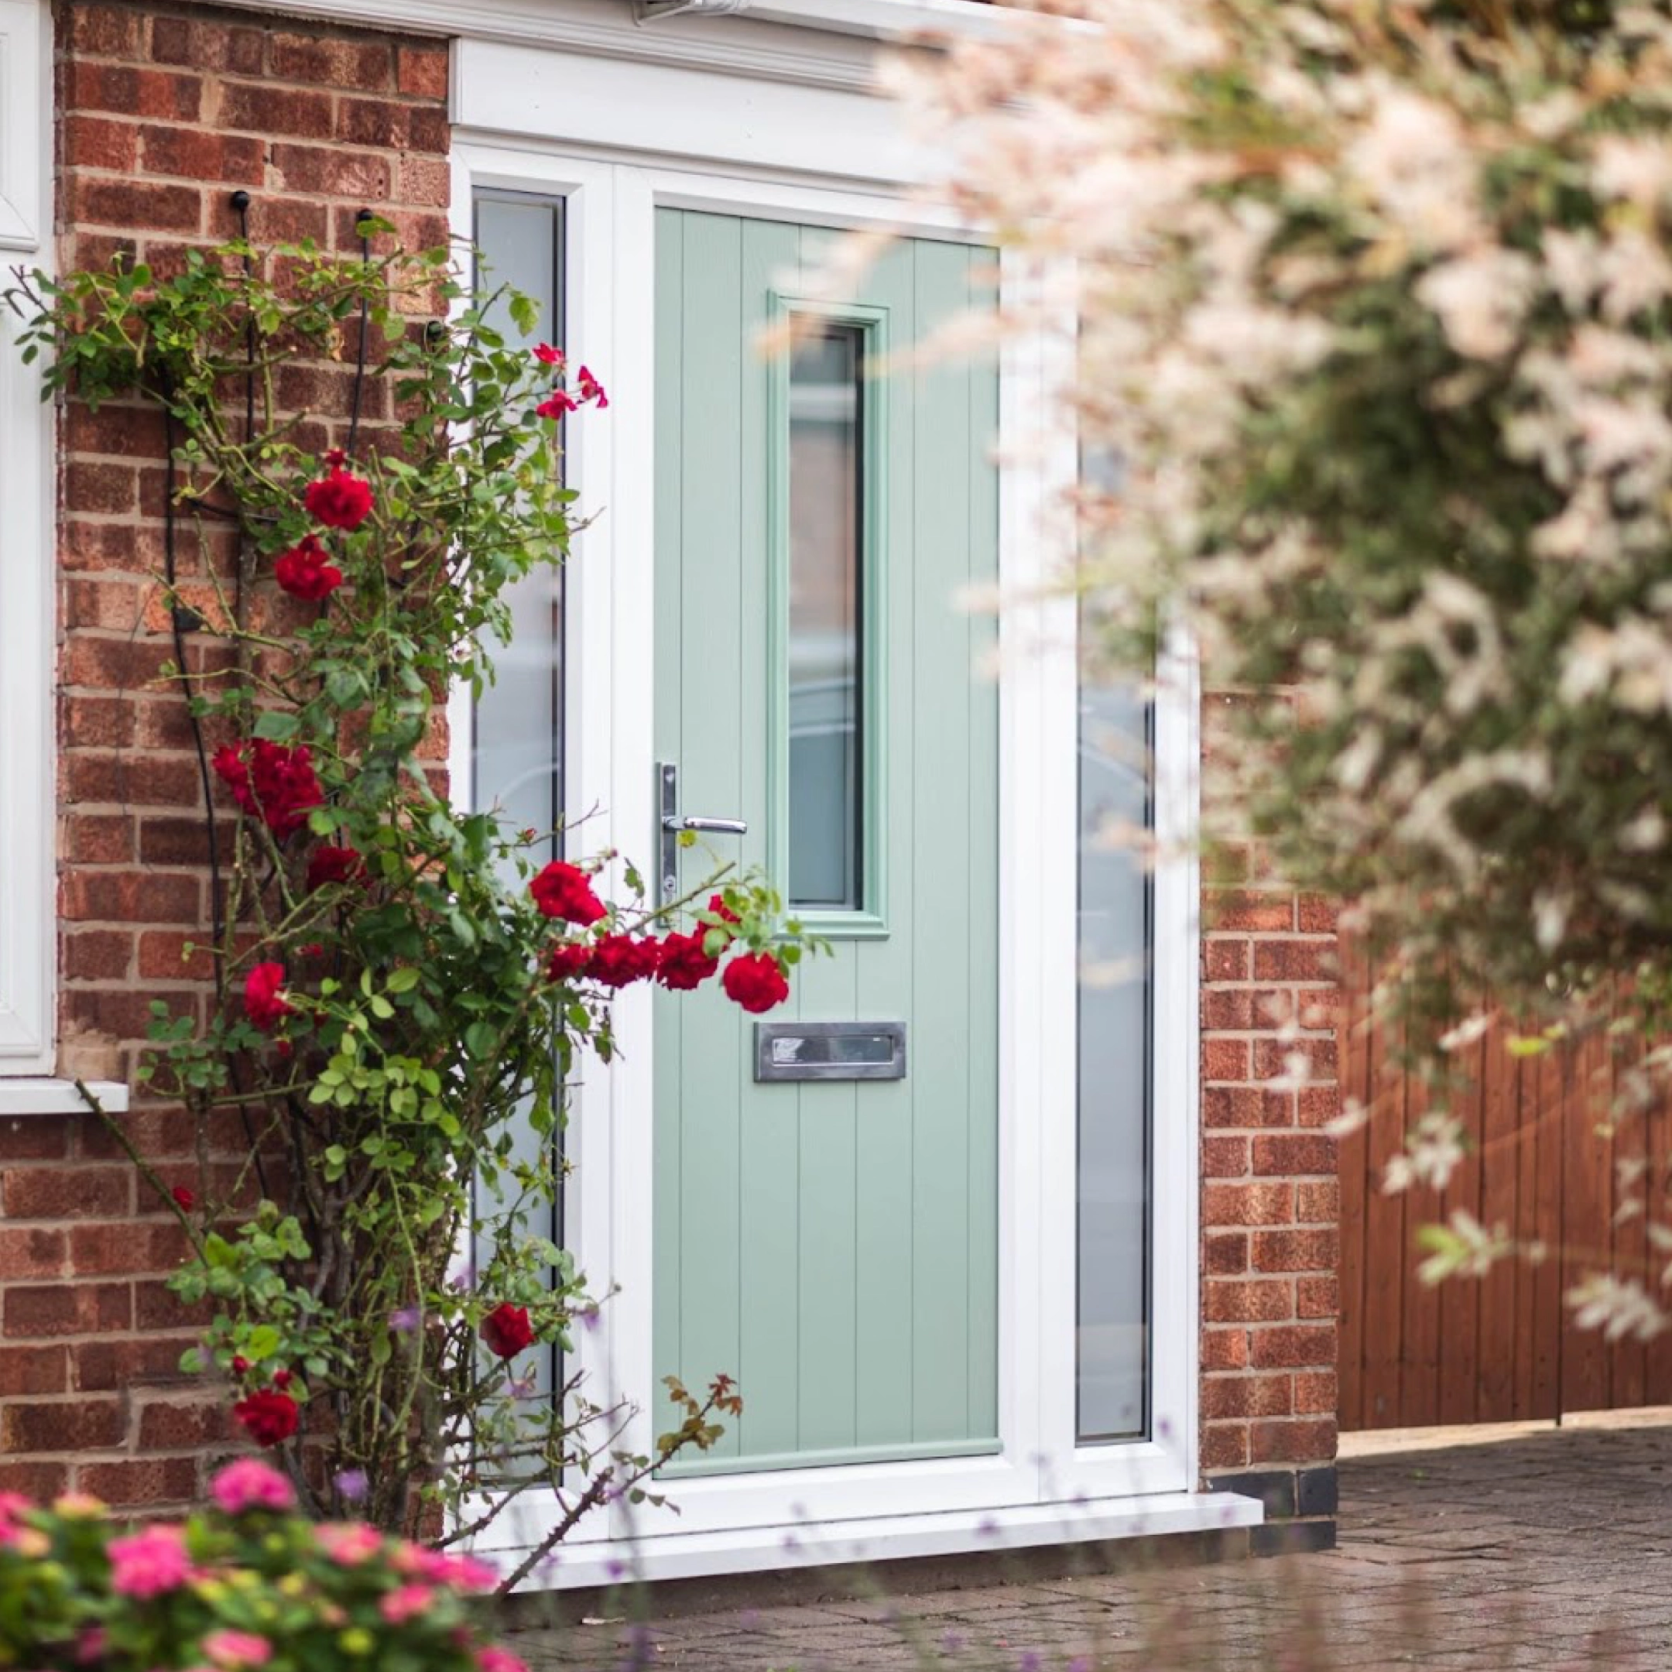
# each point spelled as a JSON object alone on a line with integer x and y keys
{"x": 672, "y": 822}
{"x": 725, "y": 827}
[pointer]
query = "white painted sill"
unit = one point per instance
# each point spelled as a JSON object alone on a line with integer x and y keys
{"x": 58, "y": 1097}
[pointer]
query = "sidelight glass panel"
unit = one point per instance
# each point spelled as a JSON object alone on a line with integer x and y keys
{"x": 826, "y": 563}
{"x": 1113, "y": 1279}
{"x": 517, "y": 763}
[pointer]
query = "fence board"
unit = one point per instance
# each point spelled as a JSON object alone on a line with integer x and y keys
{"x": 1542, "y": 1162}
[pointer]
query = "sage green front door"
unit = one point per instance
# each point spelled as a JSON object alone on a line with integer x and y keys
{"x": 830, "y": 1243}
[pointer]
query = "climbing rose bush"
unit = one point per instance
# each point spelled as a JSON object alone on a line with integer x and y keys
{"x": 246, "y": 1583}
{"x": 402, "y": 988}
{"x": 1364, "y": 318}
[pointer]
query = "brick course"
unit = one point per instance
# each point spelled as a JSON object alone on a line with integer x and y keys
{"x": 1270, "y": 1200}
{"x": 162, "y": 112}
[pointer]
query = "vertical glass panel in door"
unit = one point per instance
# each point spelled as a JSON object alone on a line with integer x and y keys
{"x": 517, "y": 762}
{"x": 826, "y": 522}
{"x": 1113, "y": 1279}
{"x": 517, "y": 750}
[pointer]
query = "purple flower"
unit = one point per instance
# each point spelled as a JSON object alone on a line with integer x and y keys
{"x": 352, "y": 1486}
{"x": 1031, "y": 1661}
{"x": 407, "y": 1319}
{"x": 987, "y": 1528}
{"x": 1080, "y": 1663}
{"x": 615, "y": 1569}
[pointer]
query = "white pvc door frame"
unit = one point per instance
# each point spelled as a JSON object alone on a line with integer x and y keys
{"x": 1042, "y": 1486}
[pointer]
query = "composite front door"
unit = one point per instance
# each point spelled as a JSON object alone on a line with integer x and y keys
{"x": 830, "y": 1242}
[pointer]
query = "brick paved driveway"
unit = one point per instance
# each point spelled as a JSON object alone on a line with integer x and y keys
{"x": 1552, "y": 1551}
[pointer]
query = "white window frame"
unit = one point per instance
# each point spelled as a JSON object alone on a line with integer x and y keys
{"x": 616, "y": 141}
{"x": 27, "y": 785}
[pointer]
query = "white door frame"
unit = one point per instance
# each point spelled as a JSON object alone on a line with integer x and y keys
{"x": 592, "y": 152}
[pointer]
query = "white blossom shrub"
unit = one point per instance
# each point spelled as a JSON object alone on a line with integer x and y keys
{"x": 1372, "y": 304}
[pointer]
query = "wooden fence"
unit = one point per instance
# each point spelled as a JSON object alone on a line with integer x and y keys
{"x": 1543, "y": 1164}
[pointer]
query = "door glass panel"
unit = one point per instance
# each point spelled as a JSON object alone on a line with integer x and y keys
{"x": 826, "y": 519}
{"x": 1114, "y": 1101}
{"x": 517, "y": 747}
{"x": 517, "y": 761}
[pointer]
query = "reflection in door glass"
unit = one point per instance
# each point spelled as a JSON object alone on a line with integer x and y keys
{"x": 825, "y": 562}
{"x": 1114, "y": 1103}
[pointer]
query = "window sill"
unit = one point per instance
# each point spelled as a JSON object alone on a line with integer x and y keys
{"x": 58, "y": 1097}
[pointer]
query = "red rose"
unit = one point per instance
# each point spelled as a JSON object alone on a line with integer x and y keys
{"x": 240, "y": 1365}
{"x": 271, "y": 782}
{"x": 568, "y": 960}
{"x": 717, "y": 907}
{"x": 683, "y": 963}
{"x": 619, "y": 960}
{"x": 339, "y": 499}
{"x": 506, "y": 1330}
{"x": 184, "y": 1200}
{"x": 547, "y": 355}
{"x": 562, "y": 890}
{"x": 556, "y": 404}
{"x": 268, "y": 1417}
{"x": 334, "y": 864}
{"x": 281, "y": 1378}
{"x": 264, "y": 1000}
{"x": 591, "y": 389}
{"x": 306, "y": 571}
{"x": 755, "y": 981}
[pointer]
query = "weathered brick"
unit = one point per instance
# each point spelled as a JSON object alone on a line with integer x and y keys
{"x": 1235, "y": 1300}
{"x": 61, "y": 1425}
{"x": 98, "y": 955}
{"x": 1225, "y": 1253}
{"x": 31, "y": 1252}
{"x": 1246, "y": 1396}
{"x": 422, "y": 71}
{"x": 143, "y": 1483}
{"x": 1267, "y": 1203}
{"x": 192, "y": 154}
{"x": 1224, "y": 1445}
{"x": 32, "y": 1311}
{"x": 1294, "y": 1154}
{"x": 1308, "y": 1251}
{"x": 1224, "y": 1349}
{"x": 134, "y": 204}
{"x": 262, "y": 109}
{"x": 360, "y": 64}
{"x": 1301, "y": 1440}
{"x": 1299, "y": 1346}
{"x": 94, "y": 142}
{"x": 58, "y": 1193}
{"x": 29, "y": 1371}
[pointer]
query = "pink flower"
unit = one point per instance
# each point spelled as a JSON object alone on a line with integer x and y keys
{"x": 490, "y": 1659}
{"x": 348, "y": 1543}
{"x": 444, "y": 1567}
{"x": 149, "y": 1562}
{"x": 401, "y": 1604}
{"x": 237, "y": 1648}
{"x": 251, "y": 1484}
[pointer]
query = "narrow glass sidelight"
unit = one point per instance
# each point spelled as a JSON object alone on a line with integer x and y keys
{"x": 826, "y": 640}
{"x": 1113, "y": 1278}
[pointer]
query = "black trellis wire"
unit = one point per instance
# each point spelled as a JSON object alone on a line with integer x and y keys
{"x": 184, "y": 619}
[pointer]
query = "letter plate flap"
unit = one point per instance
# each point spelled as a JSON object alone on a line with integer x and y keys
{"x": 830, "y": 1050}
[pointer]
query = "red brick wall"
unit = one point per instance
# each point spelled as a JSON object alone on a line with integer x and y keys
{"x": 163, "y": 113}
{"x": 1270, "y": 1197}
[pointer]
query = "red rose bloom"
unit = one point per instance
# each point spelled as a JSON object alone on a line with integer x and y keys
{"x": 619, "y": 960}
{"x": 240, "y": 1365}
{"x": 547, "y": 355}
{"x": 683, "y": 964}
{"x": 506, "y": 1330}
{"x": 568, "y": 960}
{"x": 334, "y": 864}
{"x": 562, "y": 890}
{"x": 556, "y": 404}
{"x": 755, "y": 981}
{"x": 281, "y": 1378}
{"x": 306, "y": 571}
{"x": 184, "y": 1200}
{"x": 591, "y": 389}
{"x": 264, "y": 1000}
{"x": 268, "y": 1417}
{"x": 339, "y": 499}
{"x": 271, "y": 782}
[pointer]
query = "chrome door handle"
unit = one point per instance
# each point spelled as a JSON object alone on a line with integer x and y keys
{"x": 727, "y": 827}
{"x": 672, "y": 822}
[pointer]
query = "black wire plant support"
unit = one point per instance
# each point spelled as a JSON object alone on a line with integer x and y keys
{"x": 184, "y": 619}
